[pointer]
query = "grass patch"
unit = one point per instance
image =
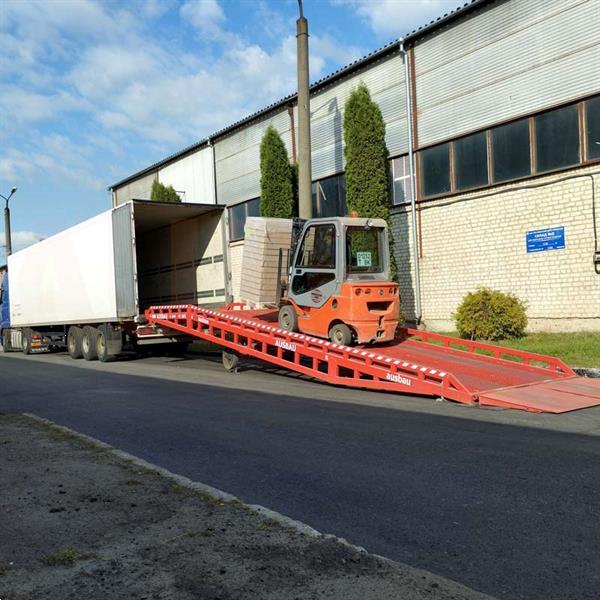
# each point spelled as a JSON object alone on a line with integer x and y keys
{"x": 5, "y": 570}
{"x": 576, "y": 349}
{"x": 132, "y": 482}
{"x": 270, "y": 524}
{"x": 580, "y": 349}
{"x": 66, "y": 557}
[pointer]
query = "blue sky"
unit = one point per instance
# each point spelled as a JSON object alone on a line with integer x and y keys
{"x": 94, "y": 91}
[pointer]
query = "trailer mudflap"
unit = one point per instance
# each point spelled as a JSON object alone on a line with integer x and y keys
{"x": 551, "y": 396}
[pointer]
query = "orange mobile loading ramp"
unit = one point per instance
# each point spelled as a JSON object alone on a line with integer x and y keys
{"x": 416, "y": 362}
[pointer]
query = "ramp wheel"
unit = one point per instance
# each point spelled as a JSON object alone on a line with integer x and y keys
{"x": 341, "y": 334}
{"x": 231, "y": 361}
{"x": 288, "y": 319}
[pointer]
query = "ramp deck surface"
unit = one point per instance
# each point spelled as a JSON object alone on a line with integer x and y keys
{"x": 416, "y": 362}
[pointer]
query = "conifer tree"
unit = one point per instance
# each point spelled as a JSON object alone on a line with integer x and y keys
{"x": 367, "y": 169}
{"x": 276, "y": 173}
{"x": 163, "y": 193}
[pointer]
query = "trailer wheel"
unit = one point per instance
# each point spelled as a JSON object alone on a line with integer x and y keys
{"x": 88, "y": 343}
{"x": 102, "y": 345}
{"x": 74, "y": 336}
{"x": 341, "y": 334}
{"x": 6, "y": 340}
{"x": 26, "y": 342}
{"x": 288, "y": 319}
{"x": 231, "y": 361}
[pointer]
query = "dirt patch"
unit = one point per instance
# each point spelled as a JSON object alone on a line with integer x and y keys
{"x": 78, "y": 522}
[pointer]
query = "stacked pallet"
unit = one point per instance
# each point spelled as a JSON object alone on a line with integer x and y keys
{"x": 266, "y": 239}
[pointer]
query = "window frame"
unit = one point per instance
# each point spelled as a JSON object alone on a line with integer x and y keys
{"x": 341, "y": 200}
{"x": 407, "y": 177}
{"x": 245, "y": 204}
{"x": 450, "y": 171}
{"x": 584, "y": 159}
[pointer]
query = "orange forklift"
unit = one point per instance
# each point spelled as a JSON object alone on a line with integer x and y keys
{"x": 339, "y": 286}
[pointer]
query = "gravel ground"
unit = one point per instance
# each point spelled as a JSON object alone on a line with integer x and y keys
{"x": 76, "y": 521}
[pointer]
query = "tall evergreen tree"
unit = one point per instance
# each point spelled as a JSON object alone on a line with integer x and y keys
{"x": 276, "y": 189}
{"x": 163, "y": 193}
{"x": 367, "y": 170}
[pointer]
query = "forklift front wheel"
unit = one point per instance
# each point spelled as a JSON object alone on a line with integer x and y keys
{"x": 231, "y": 361}
{"x": 288, "y": 319}
{"x": 341, "y": 334}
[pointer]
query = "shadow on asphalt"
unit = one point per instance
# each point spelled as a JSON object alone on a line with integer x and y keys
{"x": 508, "y": 510}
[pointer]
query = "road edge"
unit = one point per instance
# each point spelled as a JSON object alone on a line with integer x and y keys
{"x": 204, "y": 488}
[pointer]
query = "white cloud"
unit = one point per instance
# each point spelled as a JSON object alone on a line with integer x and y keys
{"x": 395, "y": 18}
{"x": 109, "y": 78}
{"x": 53, "y": 156}
{"x": 18, "y": 240}
{"x": 206, "y": 16}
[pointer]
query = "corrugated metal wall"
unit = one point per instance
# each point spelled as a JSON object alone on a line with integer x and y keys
{"x": 136, "y": 190}
{"x": 509, "y": 59}
{"x": 237, "y": 155}
{"x": 192, "y": 176}
{"x": 238, "y": 159}
{"x": 385, "y": 81}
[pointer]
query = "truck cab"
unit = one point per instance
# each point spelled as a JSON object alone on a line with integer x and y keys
{"x": 4, "y": 307}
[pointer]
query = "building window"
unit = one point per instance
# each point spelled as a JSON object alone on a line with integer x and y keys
{"x": 470, "y": 162}
{"x": 557, "y": 139}
{"x": 592, "y": 126}
{"x": 435, "y": 170}
{"x": 238, "y": 215}
{"x": 511, "y": 151}
{"x": 329, "y": 197}
{"x": 401, "y": 180}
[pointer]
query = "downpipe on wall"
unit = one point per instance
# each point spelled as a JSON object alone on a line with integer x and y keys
{"x": 413, "y": 201}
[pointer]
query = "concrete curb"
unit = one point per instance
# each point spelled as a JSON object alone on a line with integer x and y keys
{"x": 196, "y": 486}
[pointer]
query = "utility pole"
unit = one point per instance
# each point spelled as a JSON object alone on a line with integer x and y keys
{"x": 7, "y": 237}
{"x": 304, "y": 158}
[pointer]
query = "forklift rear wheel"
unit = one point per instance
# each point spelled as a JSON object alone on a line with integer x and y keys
{"x": 341, "y": 334}
{"x": 288, "y": 319}
{"x": 231, "y": 361}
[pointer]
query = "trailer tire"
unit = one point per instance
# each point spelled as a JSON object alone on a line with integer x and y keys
{"x": 288, "y": 319}
{"x": 88, "y": 343}
{"x": 341, "y": 334}
{"x": 6, "y": 340}
{"x": 74, "y": 336}
{"x": 102, "y": 345}
{"x": 231, "y": 361}
{"x": 26, "y": 341}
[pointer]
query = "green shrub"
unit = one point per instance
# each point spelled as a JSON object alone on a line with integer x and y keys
{"x": 490, "y": 315}
{"x": 163, "y": 193}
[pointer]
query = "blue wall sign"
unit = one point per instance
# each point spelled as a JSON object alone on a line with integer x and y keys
{"x": 545, "y": 239}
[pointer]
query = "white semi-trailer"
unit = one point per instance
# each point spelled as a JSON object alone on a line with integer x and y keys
{"x": 86, "y": 288}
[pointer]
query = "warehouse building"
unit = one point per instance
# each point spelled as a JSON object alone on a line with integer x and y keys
{"x": 492, "y": 119}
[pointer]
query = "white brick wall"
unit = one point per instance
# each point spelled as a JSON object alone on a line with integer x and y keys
{"x": 478, "y": 239}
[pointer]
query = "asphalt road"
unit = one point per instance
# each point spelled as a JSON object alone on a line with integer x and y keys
{"x": 504, "y": 502}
